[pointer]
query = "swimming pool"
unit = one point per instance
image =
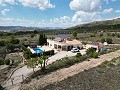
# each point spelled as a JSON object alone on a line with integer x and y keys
{"x": 38, "y": 50}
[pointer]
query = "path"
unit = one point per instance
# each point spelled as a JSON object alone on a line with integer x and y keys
{"x": 60, "y": 75}
{"x": 63, "y": 54}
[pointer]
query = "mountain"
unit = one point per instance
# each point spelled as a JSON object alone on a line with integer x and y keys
{"x": 99, "y": 25}
{"x": 16, "y": 28}
{"x": 21, "y": 28}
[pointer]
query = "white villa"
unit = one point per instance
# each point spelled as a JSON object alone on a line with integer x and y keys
{"x": 64, "y": 43}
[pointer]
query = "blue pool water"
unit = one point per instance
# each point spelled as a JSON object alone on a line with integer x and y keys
{"x": 38, "y": 50}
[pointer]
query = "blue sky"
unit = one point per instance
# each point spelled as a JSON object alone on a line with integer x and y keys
{"x": 56, "y": 13}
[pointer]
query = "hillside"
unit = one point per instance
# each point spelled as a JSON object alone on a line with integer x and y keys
{"x": 16, "y": 28}
{"x": 104, "y": 77}
{"x": 21, "y": 28}
{"x": 100, "y": 25}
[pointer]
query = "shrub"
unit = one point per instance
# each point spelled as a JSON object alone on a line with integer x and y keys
{"x": 90, "y": 50}
{"x": 92, "y": 53}
{"x": 1, "y": 88}
{"x": 95, "y": 54}
{"x": 1, "y": 62}
{"x": 51, "y": 52}
{"x": 7, "y": 62}
{"x": 78, "y": 55}
{"x": 106, "y": 64}
{"x": 109, "y": 40}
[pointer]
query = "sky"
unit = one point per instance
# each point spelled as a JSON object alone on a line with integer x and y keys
{"x": 56, "y": 13}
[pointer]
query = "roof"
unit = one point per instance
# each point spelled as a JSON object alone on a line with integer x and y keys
{"x": 73, "y": 42}
{"x": 57, "y": 39}
{"x": 99, "y": 45}
{"x": 63, "y": 35}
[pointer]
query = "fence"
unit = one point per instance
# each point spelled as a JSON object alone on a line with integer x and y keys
{"x": 14, "y": 80}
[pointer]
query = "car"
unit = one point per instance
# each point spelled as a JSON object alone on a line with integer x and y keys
{"x": 74, "y": 50}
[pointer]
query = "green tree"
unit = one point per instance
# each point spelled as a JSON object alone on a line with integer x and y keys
{"x": 42, "y": 39}
{"x": 27, "y": 54}
{"x": 113, "y": 34}
{"x": 102, "y": 40}
{"x": 10, "y": 47}
{"x": 101, "y": 34}
{"x": 40, "y": 61}
{"x": 109, "y": 40}
{"x": 7, "y": 62}
{"x": 78, "y": 55}
{"x": 90, "y": 50}
{"x": 3, "y": 53}
{"x": 1, "y": 87}
{"x": 44, "y": 59}
{"x": 95, "y": 54}
{"x": 2, "y": 43}
{"x": 32, "y": 63}
{"x": 15, "y": 41}
{"x": 32, "y": 35}
{"x": 11, "y": 38}
{"x": 74, "y": 34}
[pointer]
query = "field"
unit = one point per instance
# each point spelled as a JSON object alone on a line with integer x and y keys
{"x": 98, "y": 78}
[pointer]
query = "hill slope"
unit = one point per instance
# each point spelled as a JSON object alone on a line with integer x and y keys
{"x": 98, "y": 78}
{"x": 100, "y": 25}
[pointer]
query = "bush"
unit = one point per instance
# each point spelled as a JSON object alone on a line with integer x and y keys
{"x": 106, "y": 64}
{"x": 7, "y": 62}
{"x": 95, "y": 55}
{"x": 109, "y": 40}
{"x": 1, "y": 88}
{"x": 78, "y": 55}
{"x": 1, "y": 62}
{"x": 90, "y": 50}
{"x": 65, "y": 62}
{"x": 51, "y": 52}
{"x": 92, "y": 53}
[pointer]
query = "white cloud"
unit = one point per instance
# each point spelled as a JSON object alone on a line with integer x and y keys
{"x": 82, "y": 16}
{"x": 85, "y": 5}
{"x": 2, "y": 2}
{"x": 86, "y": 11}
{"x": 41, "y": 4}
{"x": 117, "y": 11}
{"x": 108, "y": 11}
{"x": 107, "y": 1}
{"x": 55, "y": 22}
{"x": 5, "y": 11}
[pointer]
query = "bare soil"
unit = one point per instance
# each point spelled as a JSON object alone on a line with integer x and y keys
{"x": 92, "y": 79}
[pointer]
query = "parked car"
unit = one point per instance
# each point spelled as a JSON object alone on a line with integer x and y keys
{"x": 74, "y": 50}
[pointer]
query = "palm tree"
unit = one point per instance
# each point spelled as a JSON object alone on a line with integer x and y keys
{"x": 40, "y": 61}
{"x": 32, "y": 63}
{"x": 44, "y": 58}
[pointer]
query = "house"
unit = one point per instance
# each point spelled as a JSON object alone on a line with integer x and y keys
{"x": 64, "y": 43}
{"x": 95, "y": 45}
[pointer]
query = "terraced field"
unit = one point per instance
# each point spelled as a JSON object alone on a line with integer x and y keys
{"x": 105, "y": 78}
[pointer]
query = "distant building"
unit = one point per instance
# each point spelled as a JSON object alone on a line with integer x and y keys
{"x": 95, "y": 45}
{"x": 64, "y": 43}
{"x": 105, "y": 43}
